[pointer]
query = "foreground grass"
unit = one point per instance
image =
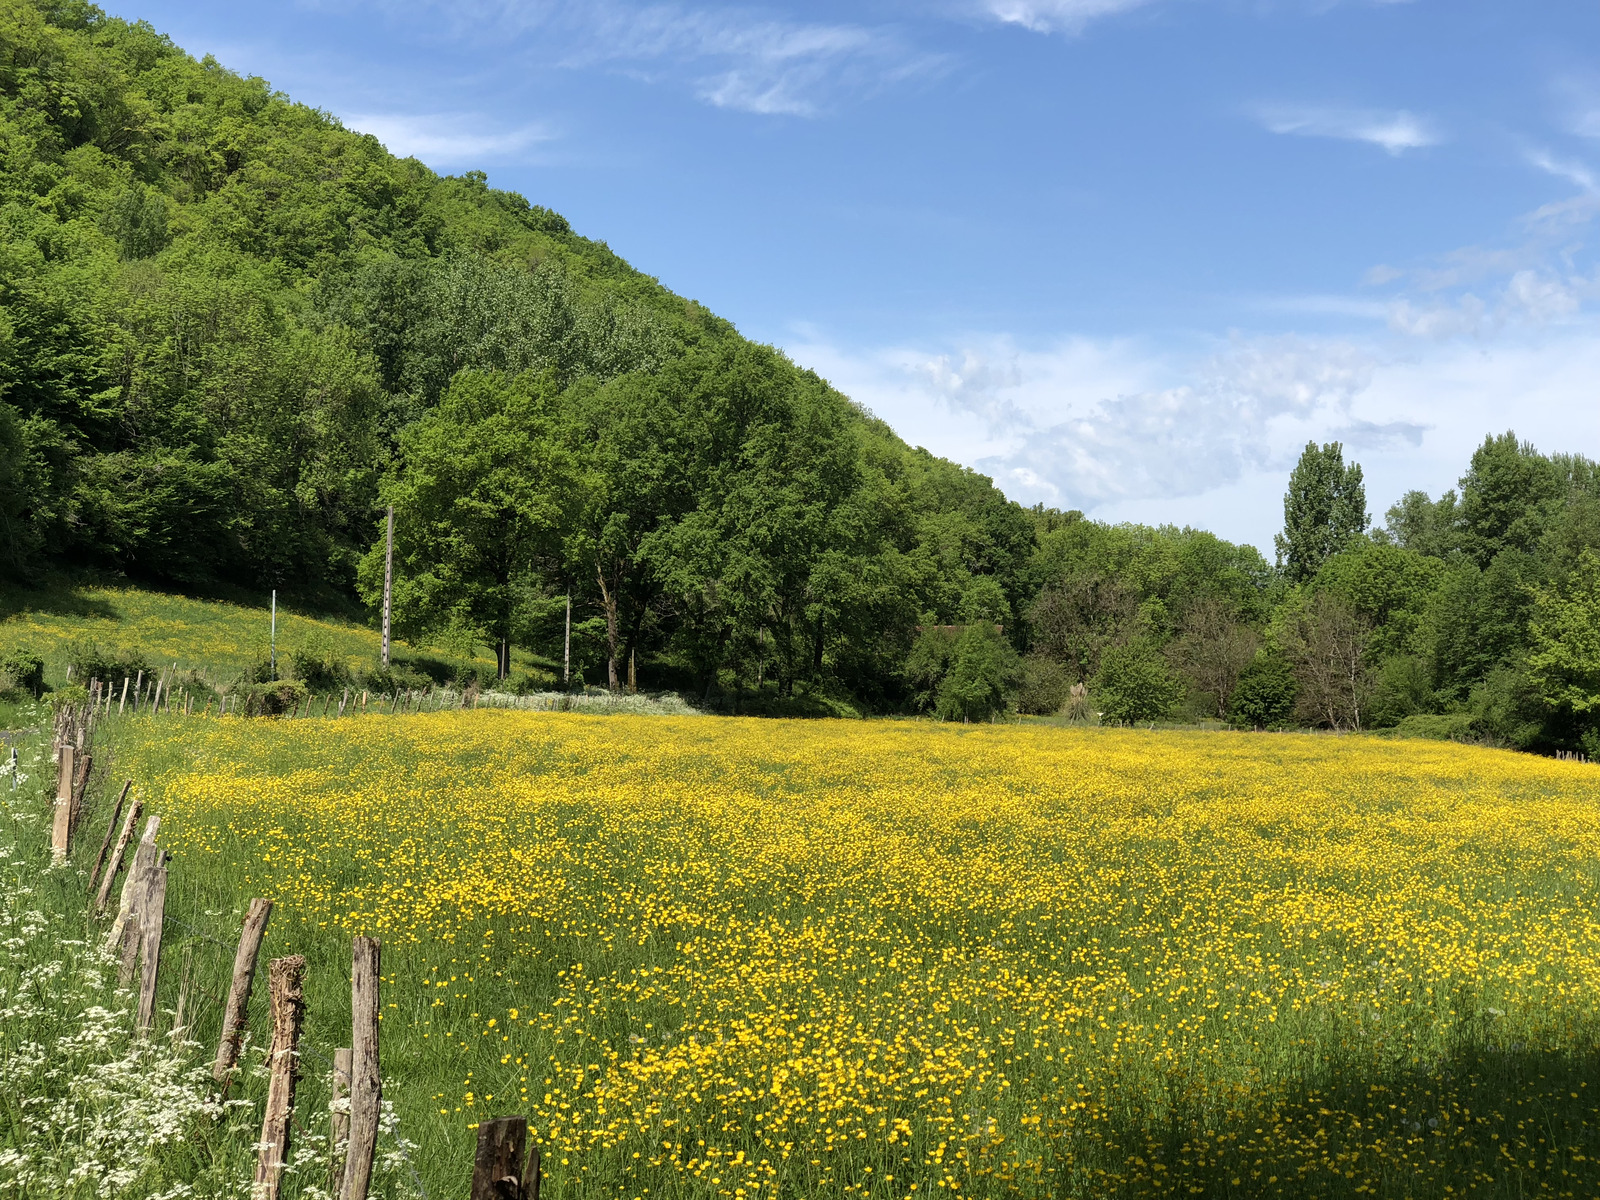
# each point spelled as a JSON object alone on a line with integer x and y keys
{"x": 746, "y": 958}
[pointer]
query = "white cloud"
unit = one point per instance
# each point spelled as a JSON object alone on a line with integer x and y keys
{"x": 729, "y": 57}
{"x": 1053, "y": 16}
{"x": 1396, "y": 131}
{"x": 444, "y": 138}
{"x": 1572, "y": 172}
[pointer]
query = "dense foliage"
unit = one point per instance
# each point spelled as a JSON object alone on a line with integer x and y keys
{"x": 232, "y": 333}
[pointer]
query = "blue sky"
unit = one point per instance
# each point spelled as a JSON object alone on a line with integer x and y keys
{"x": 1122, "y": 255}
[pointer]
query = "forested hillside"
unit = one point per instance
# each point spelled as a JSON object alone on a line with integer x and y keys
{"x": 233, "y": 332}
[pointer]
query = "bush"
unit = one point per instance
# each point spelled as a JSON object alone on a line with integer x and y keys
{"x": 21, "y": 671}
{"x": 1439, "y": 727}
{"x": 89, "y": 660}
{"x": 318, "y": 670}
{"x": 1135, "y": 684}
{"x": 1046, "y": 685}
{"x": 267, "y": 699}
{"x": 1402, "y": 688}
{"x": 1507, "y": 710}
{"x": 1265, "y": 695}
{"x": 385, "y": 681}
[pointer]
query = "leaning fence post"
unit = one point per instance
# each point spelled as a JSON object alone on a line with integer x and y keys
{"x": 339, "y": 1117}
{"x": 365, "y": 1082}
{"x": 498, "y": 1172}
{"x": 115, "y": 864}
{"x": 61, "y": 827}
{"x": 145, "y": 857}
{"x": 111, "y": 832}
{"x": 288, "y": 1013}
{"x": 244, "y": 973}
{"x": 152, "y": 913}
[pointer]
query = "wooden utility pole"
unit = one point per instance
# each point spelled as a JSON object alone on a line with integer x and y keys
{"x": 388, "y": 577}
{"x": 365, "y": 1082}
{"x": 498, "y": 1170}
{"x": 566, "y": 652}
{"x": 244, "y": 974}
{"x": 273, "y": 652}
{"x": 284, "y": 978}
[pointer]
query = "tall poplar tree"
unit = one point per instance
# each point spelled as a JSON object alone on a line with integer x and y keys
{"x": 1325, "y": 506}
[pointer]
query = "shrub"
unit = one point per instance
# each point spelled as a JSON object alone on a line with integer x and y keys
{"x": 1046, "y": 685}
{"x": 319, "y": 671}
{"x": 21, "y": 671}
{"x": 1135, "y": 684}
{"x": 90, "y": 660}
{"x": 267, "y": 699}
{"x": 1265, "y": 695}
{"x": 1401, "y": 689}
{"x": 1439, "y": 727}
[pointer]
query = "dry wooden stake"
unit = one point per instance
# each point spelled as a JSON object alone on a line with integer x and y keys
{"x": 122, "y": 703}
{"x": 80, "y": 785}
{"x": 152, "y": 914}
{"x": 244, "y": 974}
{"x": 146, "y": 856}
{"x": 498, "y": 1170}
{"x": 365, "y": 1083}
{"x": 339, "y": 1117}
{"x": 61, "y": 828}
{"x": 179, "y": 1030}
{"x": 284, "y": 979}
{"x": 115, "y": 864}
{"x": 111, "y": 832}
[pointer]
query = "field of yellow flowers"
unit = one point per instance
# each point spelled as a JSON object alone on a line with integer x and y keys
{"x": 750, "y": 959}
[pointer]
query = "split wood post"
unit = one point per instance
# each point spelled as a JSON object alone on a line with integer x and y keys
{"x": 145, "y": 857}
{"x": 115, "y": 864}
{"x": 123, "y": 702}
{"x": 284, "y": 979}
{"x": 498, "y": 1170}
{"x": 111, "y": 832}
{"x": 185, "y": 980}
{"x": 244, "y": 974}
{"x": 80, "y": 785}
{"x": 152, "y": 913}
{"x": 339, "y": 1117}
{"x": 365, "y": 1082}
{"x": 61, "y": 828}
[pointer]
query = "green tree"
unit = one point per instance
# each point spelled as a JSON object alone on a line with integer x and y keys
{"x": 1509, "y": 496}
{"x": 982, "y": 678}
{"x": 1565, "y": 659}
{"x": 1264, "y": 697}
{"x": 1324, "y": 508}
{"x": 1135, "y": 684}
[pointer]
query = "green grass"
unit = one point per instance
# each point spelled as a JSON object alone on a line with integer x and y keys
{"x": 219, "y": 637}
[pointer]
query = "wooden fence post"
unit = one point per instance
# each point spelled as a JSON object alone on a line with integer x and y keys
{"x": 152, "y": 913}
{"x": 61, "y": 827}
{"x": 146, "y": 856}
{"x": 498, "y": 1172}
{"x": 115, "y": 864}
{"x": 244, "y": 973}
{"x": 365, "y": 1082}
{"x": 339, "y": 1117}
{"x": 80, "y": 785}
{"x": 111, "y": 832}
{"x": 284, "y": 978}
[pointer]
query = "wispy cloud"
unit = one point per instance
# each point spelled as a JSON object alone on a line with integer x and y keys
{"x": 445, "y": 138}
{"x": 1394, "y": 131}
{"x": 733, "y": 58}
{"x": 1055, "y": 16}
{"x": 1573, "y": 172}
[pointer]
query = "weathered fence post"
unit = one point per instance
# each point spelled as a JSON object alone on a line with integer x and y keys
{"x": 115, "y": 864}
{"x": 61, "y": 827}
{"x": 365, "y": 1082}
{"x": 498, "y": 1171}
{"x": 244, "y": 973}
{"x": 80, "y": 785}
{"x": 152, "y": 913}
{"x": 339, "y": 1117}
{"x": 145, "y": 857}
{"x": 111, "y": 832}
{"x": 288, "y": 1013}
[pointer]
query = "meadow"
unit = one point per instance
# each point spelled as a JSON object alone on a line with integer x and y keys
{"x": 762, "y": 958}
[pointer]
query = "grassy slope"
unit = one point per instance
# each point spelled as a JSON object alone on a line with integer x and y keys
{"x": 220, "y": 637}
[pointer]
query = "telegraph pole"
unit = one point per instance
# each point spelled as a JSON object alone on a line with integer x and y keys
{"x": 388, "y": 578}
{"x": 273, "y": 652}
{"x": 566, "y": 652}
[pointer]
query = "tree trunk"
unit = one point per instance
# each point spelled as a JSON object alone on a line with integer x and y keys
{"x": 608, "y": 597}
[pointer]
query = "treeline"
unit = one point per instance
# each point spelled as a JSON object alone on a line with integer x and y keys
{"x": 232, "y": 333}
